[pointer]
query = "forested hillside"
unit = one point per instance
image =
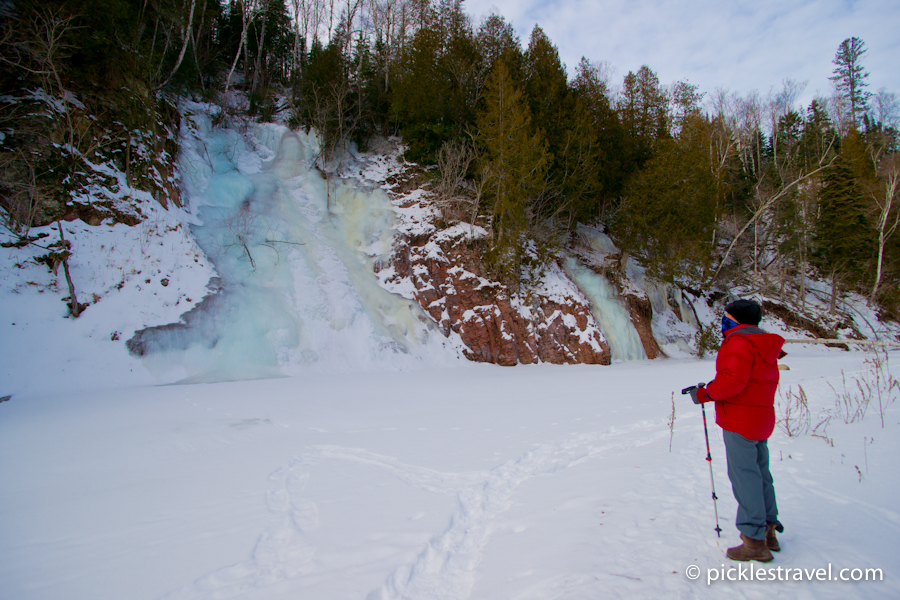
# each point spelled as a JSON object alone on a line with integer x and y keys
{"x": 705, "y": 188}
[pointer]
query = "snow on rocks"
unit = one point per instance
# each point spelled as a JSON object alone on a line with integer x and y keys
{"x": 441, "y": 269}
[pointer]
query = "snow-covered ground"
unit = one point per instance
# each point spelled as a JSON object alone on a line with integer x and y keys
{"x": 474, "y": 482}
{"x": 418, "y": 476}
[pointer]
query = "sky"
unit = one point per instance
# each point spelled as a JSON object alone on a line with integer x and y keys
{"x": 736, "y": 45}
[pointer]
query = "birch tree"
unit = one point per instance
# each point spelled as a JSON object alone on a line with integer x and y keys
{"x": 245, "y": 20}
{"x": 186, "y": 35}
{"x": 887, "y": 216}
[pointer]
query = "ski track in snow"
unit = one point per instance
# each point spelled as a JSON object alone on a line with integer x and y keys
{"x": 445, "y": 567}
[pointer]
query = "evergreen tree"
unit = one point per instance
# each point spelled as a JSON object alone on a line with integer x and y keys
{"x": 373, "y": 103}
{"x": 786, "y": 143}
{"x": 818, "y": 140}
{"x": 850, "y": 77}
{"x": 855, "y": 153}
{"x": 514, "y": 165}
{"x": 497, "y": 40}
{"x": 570, "y": 138}
{"x": 578, "y": 169}
{"x": 546, "y": 86}
{"x": 269, "y": 45}
{"x": 643, "y": 108}
{"x": 419, "y": 92}
{"x": 685, "y": 103}
{"x": 324, "y": 98}
{"x": 671, "y": 206}
{"x": 435, "y": 88}
{"x": 592, "y": 92}
{"x": 843, "y": 235}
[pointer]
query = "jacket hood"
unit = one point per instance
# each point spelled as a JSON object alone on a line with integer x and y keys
{"x": 768, "y": 345}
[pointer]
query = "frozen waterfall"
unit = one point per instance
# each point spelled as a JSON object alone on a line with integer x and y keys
{"x": 609, "y": 311}
{"x": 295, "y": 253}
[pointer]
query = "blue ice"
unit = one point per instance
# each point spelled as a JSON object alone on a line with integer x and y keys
{"x": 609, "y": 311}
{"x": 295, "y": 251}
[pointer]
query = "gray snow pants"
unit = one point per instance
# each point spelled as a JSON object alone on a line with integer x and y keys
{"x": 751, "y": 482}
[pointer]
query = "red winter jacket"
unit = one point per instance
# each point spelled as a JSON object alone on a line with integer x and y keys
{"x": 746, "y": 378}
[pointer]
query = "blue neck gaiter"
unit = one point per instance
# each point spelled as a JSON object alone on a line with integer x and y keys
{"x": 728, "y": 324}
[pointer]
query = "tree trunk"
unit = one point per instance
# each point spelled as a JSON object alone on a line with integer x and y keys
{"x": 259, "y": 50}
{"x": 241, "y": 45}
{"x": 194, "y": 46}
{"x": 885, "y": 232}
{"x": 834, "y": 278}
{"x": 186, "y": 34}
{"x": 73, "y": 299}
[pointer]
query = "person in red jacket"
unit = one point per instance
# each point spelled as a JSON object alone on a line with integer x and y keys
{"x": 744, "y": 394}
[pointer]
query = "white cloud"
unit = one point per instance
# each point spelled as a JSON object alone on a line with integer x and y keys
{"x": 737, "y": 45}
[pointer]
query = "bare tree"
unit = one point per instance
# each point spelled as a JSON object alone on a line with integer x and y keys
{"x": 739, "y": 130}
{"x": 38, "y": 48}
{"x": 186, "y": 34}
{"x": 453, "y": 161}
{"x": 392, "y": 23}
{"x": 885, "y": 109}
{"x": 245, "y": 11}
{"x": 194, "y": 38}
{"x": 888, "y": 218}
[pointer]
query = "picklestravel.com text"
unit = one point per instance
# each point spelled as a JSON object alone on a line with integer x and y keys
{"x": 755, "y": 573}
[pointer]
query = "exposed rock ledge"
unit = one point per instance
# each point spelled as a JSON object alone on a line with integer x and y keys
{"x": 553, "y": 325}
{"x": 442, "y": 271}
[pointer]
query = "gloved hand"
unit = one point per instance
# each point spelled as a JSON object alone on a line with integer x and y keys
{"x": 698, "y": 394}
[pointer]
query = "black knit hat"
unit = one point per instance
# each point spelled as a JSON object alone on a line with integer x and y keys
{"x": 745, "y": 312}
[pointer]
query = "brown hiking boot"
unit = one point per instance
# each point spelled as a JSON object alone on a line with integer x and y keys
{"x": 771, "y": 540}
{"x": 750, "y": 550}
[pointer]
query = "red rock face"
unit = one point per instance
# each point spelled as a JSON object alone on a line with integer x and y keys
{"x": 641, "y": 316}
{"x": 495, "y": 325}
{"x": 443, "y": 272}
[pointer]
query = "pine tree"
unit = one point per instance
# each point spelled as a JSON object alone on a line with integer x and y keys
{"x": 437, "y": 78}
{"x": 591, "y": 90}
{"x": 578, "y": 166}
{"x": 843, "y": 235}
{"x": 643, "y": 108}
{"x": 818, "y": 140}
{"x": 670, "y": 207}
{"x": 565, "y": 124}
{"x": 497, "y": 40}
{"x": 855, "y": 153}
{"x": 545, "y": 85}
{"x": 850, "y": 77}
{"x": 419, "y": 94}
{"x": 514, "y": 165}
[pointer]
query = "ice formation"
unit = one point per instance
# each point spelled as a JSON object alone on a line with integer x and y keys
{"x": 295, "y": 251}
{"x": 609, "y": 311}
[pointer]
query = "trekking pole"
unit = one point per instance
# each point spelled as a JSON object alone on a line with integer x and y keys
{"x": 712, "y": 481}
